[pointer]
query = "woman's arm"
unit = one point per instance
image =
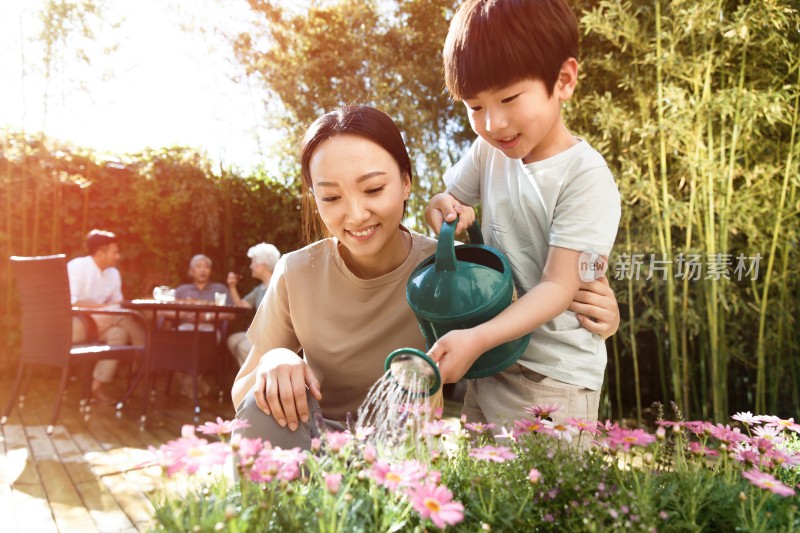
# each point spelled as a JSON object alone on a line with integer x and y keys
{"x": 278, "y": 379}
{"x": 237, "y": 300}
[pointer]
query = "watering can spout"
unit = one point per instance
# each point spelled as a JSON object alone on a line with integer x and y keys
{"x": 414, "y": 371}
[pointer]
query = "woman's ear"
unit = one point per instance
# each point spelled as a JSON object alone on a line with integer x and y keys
{"x": 567, "y": 79}
{"x": 406, "y": 186}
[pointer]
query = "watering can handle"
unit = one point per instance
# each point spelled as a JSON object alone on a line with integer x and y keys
{"x": 474, "y": 232}
{"x": 445, "y": 252}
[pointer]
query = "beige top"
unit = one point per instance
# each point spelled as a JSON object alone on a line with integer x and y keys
{"x": 345, "y": 325}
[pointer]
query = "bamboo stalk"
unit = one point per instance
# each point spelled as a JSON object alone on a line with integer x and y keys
{"x": 617, "y": 375}
{"x": 632, "y": 334}
{"x": 666, "y": 209}
{"x": 721, "y": 386}
{"x": 762, "y": 319}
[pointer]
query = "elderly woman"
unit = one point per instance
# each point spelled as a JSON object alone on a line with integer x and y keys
{"x": 263, "y": 258}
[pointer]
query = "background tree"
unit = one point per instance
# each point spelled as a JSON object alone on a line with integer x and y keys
{"x": 384, "y": 54}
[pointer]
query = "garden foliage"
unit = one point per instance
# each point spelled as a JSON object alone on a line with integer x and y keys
{"x": 534, "y": 476}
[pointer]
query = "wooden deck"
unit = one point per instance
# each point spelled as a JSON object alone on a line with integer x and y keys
{"x": 88, "y": 476}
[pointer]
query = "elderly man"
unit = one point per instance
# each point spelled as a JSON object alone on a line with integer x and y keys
{"x": 94, "y": 282}
{"x": 201, "y": 288}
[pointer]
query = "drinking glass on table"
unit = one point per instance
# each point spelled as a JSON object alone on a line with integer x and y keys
{"x": 220, "y": 298}
{"x": 164, "y": 293}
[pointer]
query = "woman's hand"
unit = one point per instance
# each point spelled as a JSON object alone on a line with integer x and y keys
{"x": 281, "y": 379}
{"x": 596, "y": 308}
{"x": 233, "y": 279}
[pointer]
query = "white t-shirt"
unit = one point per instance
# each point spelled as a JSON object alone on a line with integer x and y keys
{"x": 88, "y": 283}
{"x": 569, "y": 200}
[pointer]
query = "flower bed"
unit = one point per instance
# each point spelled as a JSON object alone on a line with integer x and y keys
{"x": 538, "y": 476}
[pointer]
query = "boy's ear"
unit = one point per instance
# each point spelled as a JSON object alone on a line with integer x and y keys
{"x": 567, "y": 79}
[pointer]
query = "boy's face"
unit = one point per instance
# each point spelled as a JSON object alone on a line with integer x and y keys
{"x": 522, "y": 120}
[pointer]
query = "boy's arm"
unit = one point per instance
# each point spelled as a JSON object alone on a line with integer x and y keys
{"x": 457, "y": 350}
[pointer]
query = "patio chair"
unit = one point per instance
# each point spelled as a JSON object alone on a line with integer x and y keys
{"x": 46, "y": 326}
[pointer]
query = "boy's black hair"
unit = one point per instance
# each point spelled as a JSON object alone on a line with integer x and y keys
{"x": 495, "y": 43}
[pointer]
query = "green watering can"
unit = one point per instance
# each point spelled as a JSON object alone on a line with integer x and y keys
{"x": 460, "y": 287}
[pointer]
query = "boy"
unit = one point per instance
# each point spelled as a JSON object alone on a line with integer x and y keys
{"x": 548, "y": 202}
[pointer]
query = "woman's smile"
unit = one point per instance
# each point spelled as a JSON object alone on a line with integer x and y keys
{"x": 363, "y": 234}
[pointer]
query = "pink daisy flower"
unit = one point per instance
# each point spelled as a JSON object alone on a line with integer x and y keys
{"x": 337, "y": 440}
{"x": 506, "y": 434}
{"x": 583, "y": 425}
{"x": 534, "y": 476}
{"x": 360, "y": 434}
{"x": 626, "y": 438}
{"x": 697, "y": 449}
{"x": 392, "y": 476}
{"x": 607, "y": 426}
{"x": 436, "y": 428}
{"x": 698, "y": 427}
{"x": 726, "y": 434}
{"x": 768, "y": 482}
{"x": 189, "y": 453}
{"x": 222, "y": 427}
{"x": 746, "y": 418}
{"x": 747, "y": 455}
{"x": 436, "y": 502}
{"x": 278, "y": 463}
{"x": 249, "y": 448}
{"x": 525, "y": 425}
{"x": 785, "y": 424}
{"x": 497, "y": 454}
{"x": 784, "y": 459}
{"x": 370, "y": 453}
{"x": 543, "y": 410}
{"x": 769, "y": 432}
{"x": 479, "y": 427}
{"x": 562, "y": 432}
{"x": 333, "y": 482}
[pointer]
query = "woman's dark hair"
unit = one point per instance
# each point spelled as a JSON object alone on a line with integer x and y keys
{"x": 364, "y": 121}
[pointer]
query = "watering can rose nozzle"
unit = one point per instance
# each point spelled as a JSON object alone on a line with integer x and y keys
{"x": 414, "y": 371}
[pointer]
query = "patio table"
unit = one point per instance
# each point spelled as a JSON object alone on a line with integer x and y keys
{"x": 193, "y": 352}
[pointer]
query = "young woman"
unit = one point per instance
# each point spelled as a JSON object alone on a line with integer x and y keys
{"x": 335, "y": 309}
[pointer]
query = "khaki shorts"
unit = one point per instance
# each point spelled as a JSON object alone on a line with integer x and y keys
{"x": 502, "y": 398}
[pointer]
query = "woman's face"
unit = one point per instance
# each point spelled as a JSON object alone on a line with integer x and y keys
{"x": 259, "y": 271}
{"x": 359, "y": 193}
